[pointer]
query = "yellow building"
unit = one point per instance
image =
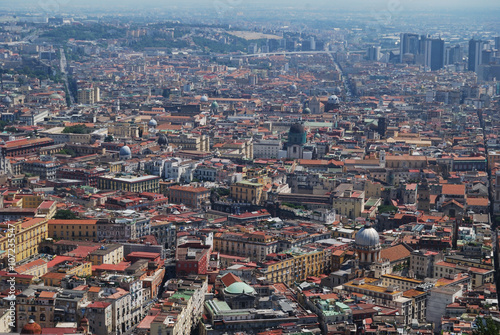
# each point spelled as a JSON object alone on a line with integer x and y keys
{"x": 129, "y": 183}
{"x": 406, "y": 162}
{"x": 72, "y": 229}
{"x": 80, "y": 269}
{"x": 28, "y": 235}
{"x": 294, "y": 266}
{"x": 53, "y": 278}
{"x": 47, "y": 208}
{"x": 247, "y": 191}
{"x": 31, "y": 201}
{"x": 37, "y": 268}
{"x": 111, "y": 254}
{"x": 350, "y": 204}
{"x": 254, "y": 245}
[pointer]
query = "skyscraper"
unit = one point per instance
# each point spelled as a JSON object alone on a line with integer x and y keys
{"x": 408, "y": 44}
{"x": 434, "y": 53}
{"x": 373, "y": 53}
{"x": 475, "y": 54}
{"x": 497, "y": 42}
{"x": 452, "y": 55}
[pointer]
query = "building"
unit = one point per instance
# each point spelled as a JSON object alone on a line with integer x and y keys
{"x": 189, "y": 142}
{"x": 439, "y": 298}
{"x": 89, "y": 96}
{"x": 266, "y": 148}
{"x": 88, "y": 176}
{"x": 389, "y": 296}
{"x": 29, "y": 234}
{"x": 193, "y": 197}
{"x": 36, "y": 268}
{"x": 38, "y": 305}
{"x": 367, "y": 245}
{"x": 434, "y": 53}
{"x": 184, "y": 311}
{"x": 100, "y": 315}
{"x": 247, "y": 191}
{"x": 129, "y": 183}
{"x": 373, "y": 53}
{"x": 107, "y": 254}
{"x": 83, "y": 230}
{"x": 350, "y": 203}
{"x": 254, "y": 245}
{"x": 422, "y": 263}
{"x": 408, "y": 44}
{"x": 25, "y": 147}
{"x": 46, "y": 169}
{"x": 192, "y": 258}
{"x": 297, "y": 138}
{"x": 476, "y": 48}
{"x": 403, "y": 283}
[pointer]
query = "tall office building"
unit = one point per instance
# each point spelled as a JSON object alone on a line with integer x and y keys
{"x": 434, "y": 53}
{"x": 497, "y": 42}
{"x": 476, "y": 48}
{"x": 452, "y": 55}
{"x": 408, "y": 44}
{"x": 313, "y": 43}
{"x": 373, "y": 53}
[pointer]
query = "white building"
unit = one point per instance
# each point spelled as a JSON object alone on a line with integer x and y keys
{"x": 266, "y": 148}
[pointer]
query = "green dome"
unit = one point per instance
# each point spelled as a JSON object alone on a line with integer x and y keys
{"x": 239, "y": 288}
{"x": 297, "y": 134}
{"x": 307, "y": 110}
{"x": 215, "y": 104}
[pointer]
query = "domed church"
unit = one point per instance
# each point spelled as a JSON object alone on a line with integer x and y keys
{"x": 367, "y": 245}
{"x": 297, "y": 137}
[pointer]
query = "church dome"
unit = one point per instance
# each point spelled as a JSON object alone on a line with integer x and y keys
{"x": 297, "y": 128}
{"x": 56, "y": 96}
{"x": 333, "y": 100}
{"x": 307, "y": 110}
{"x": 297, "y": 134}
{"x": 125, "y": 151}
{"x": 31, "y": 328}
{"x": 239, "y": 288}
{"x": 215, "y": 105}
{"x": 7, "y": 99}
{"x": 204, "y": 98}
{"x": 152, "y": 123}
{"x": 293, "y": 87}
{"x": 367, "y": 237}
{"x": 162, "y": 139}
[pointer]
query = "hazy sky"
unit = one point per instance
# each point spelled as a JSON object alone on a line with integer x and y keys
{"x": 391, "y": 5}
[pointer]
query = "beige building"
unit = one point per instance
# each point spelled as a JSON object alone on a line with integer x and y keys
{"x": 56, "y": 133}
{"x": 109, "y": 254}
{"x": 350, "y": 204}
{"x": 403, "y": 283}
{"x": 181, "y": 314}
{"x": 294, "y": 266}
{"x": 89, "y": 96}
{"x": 189, "y": 142}
{"x": 29, "y": 233}
{"x": 254, "y": 245}
{"x": 36, "y": 268}
{"x": 127, "y": 130}
{"x": 247, "y": 191}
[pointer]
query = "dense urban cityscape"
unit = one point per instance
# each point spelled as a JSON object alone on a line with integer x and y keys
{"x": 236, "y": 168}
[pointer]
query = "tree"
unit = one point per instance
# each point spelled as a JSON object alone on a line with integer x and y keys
{"x": 486, "y": 326}
{"x": 77, "y": 129}
{"x": 65, "y": 214}
{"x": 109, "y": 138}
{"x": 387, "y": 209}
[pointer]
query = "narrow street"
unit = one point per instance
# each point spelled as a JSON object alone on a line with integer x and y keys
{"x": 63, "y": 65}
